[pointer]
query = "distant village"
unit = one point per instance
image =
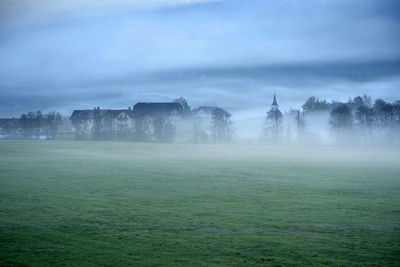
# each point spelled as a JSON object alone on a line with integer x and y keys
{"x": 144, "y": 122}
{"x": 358, "y": 120}
{"x": 154, "y": 122}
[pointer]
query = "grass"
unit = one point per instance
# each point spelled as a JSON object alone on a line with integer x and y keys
{"x": 120, "y": 204}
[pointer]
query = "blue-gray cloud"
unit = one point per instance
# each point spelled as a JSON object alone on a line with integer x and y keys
{"x": 228, "y": 49}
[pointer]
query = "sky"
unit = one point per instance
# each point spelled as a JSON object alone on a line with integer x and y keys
{"x": 69, "y": 54}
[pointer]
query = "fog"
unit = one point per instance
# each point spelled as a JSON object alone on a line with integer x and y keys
{"x": 68, "y": 55}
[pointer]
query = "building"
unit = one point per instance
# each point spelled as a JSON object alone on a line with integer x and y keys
{"x": 145, "y": 121}
{"x": 274, "y": 105}
{"x": 211, "y": 123}
{"x": 159, "y": 109}
{"x": 117, "y": 122}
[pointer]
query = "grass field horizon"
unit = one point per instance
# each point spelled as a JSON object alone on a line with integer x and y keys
{"x": 70, "y": 203}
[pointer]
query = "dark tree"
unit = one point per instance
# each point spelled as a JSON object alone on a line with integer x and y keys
{"x": 197, "y": 121}
{"x": 396, "y": 113}
{"x": 11, "y": 128}
{"x": 273, "y": 126}
{"x": 28, "y": 124}
{"x": 24, "y": 124}
{"x": 97, "y": 128}
{"x": 383, "y": 112}
{"x": 365, "y": 117}
{"x": 184, "y": 104}
{"x": 158, "y": 125}
{"x": 341, "y": 119}
{"x": 314, "y": 104}
{"x": 54, "y": 120}
{"x": 221, "y": 125}
{"x": 309, "y": 104}
{"x": 164, "y": 130}
{"x": 396, "y": 121}
{"x": 38, "y": 124}
{"x": 169, "y": 132}
{"x": 300, "y": 124}
{"x": 358, "y": 101}
{"x": 367, "y": 100}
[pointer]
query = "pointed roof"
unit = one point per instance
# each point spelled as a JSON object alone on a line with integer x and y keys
{"x": 88, "y": 114}
{"x": 274, "y": 103}
{"x": 157, "y": 108}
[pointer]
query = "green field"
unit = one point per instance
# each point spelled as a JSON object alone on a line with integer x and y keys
{"x": 119, "y": 204}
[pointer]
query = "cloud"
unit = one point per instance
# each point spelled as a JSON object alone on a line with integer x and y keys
{"x": 20, "y": 12}
{"x": 235, "y": 88}
{"x": 212, "y": 52}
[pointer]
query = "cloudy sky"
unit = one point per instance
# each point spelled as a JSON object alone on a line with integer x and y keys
{"x": 68, "y": 54}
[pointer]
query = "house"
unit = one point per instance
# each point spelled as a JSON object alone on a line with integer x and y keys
{"x": 156, "y": 114}
{"x": 121, "y": 120}
{"x": 112, "y": 121}
{"x": 153, "y": 121}
{"x": 165, "y": 110}
{"x": 145, "y": 119}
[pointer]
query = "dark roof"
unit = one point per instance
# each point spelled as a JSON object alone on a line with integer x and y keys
{"x": 157, "y": 108}
{"x": 146, "y": 108}
{"x": 115, "y": 112}
{"x": 87, "y": 114}
{"x": 206, "y": 109}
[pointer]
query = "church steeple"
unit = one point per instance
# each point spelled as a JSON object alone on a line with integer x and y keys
{"x": 274, "y": 103}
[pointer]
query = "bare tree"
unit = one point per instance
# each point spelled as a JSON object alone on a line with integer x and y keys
{"x": 341, "y": 121}
{"x": 54, "y": 120}
{"x": 273, "y": 126}
{"x": 38, "y": 124}
{"x": 97, "y": 129}
{"x": 365, "y": 120}
{"x": 222, "y": 126}
{"x": 300, "y": 124}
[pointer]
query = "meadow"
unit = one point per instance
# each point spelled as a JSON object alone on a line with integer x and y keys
{"x": 70, "y": 203}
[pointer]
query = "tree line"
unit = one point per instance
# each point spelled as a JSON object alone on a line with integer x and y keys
{"x": 377, "y": 122}
{"x": 359, "y": 119}
{"x": 34, "y": 125}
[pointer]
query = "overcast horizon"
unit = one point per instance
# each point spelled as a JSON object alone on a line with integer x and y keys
{"x": 69, "y": 55}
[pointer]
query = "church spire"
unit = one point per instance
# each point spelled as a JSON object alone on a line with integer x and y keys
{"x": 274, "y": 103}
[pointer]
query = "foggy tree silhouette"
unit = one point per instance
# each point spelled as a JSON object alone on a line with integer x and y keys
{"x": 273, "y": 126}
{"x": 221, "y": 125}
{"x": 341, "y": 121}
